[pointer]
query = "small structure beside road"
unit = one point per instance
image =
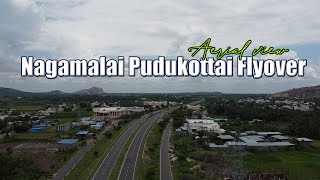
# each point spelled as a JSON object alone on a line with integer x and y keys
{"x": 305, "y": 141}
{"x": 64, "y": 127}
{"x": 81, "y": 134}
{"x": 66, "y": 144}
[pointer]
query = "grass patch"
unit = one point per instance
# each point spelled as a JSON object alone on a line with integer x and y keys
{"x": 60, "y": 164}
{"x": 28, "y": 108}
{"x": 303, "y": 163}
{"x": 86, "y": 113}
{"x": 49, "y": 134}
{"x": 184, "y": 146}
{"x": 149, "y": 168}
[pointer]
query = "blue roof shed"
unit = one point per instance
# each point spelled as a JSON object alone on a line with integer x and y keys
{"x": 68, "y": 141}
{"x": 82, "y": 133}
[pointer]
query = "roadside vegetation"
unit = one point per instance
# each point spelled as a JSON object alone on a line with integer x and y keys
{"x": 149, "y": 166}
{"x": 17, "y": 168}
{"x": 289, "y": 122}
{"x": 303, "y": 162}
{"x": 16, "y": 112}
{"x": 194, "y": 161}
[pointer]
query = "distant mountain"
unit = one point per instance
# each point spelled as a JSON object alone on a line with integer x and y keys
{"x": 16, "y": 93}
{"x": 56, "y": 92}
{"x": 304, "y": 92}
{"x": 91, "y": 91}
{"x": 13, "y": 92}
{"x": 202, "y": 93}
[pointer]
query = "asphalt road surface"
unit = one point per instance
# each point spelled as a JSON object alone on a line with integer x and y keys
{"x": 128, "y": 167}
{"x": 165, "y": 171}
{"x": 109, "y": 161}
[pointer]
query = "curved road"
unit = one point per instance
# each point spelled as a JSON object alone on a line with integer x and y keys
{"x": 109, "y": 161}
{"x": 128, "y": 167}
{"x": 165, "y": 170}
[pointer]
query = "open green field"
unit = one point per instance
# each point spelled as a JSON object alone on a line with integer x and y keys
{"x": 49, "y": 134}
{"x": 86, "y": 113}
{"x": 149, "y": 167}
{"x": 299, "y": 164}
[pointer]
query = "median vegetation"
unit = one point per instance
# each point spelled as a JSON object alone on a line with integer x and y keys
{"x": 117, "y": 167}
{"x": 149, "y": 168}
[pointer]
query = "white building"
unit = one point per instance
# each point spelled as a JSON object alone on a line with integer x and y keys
{"x": 192, "y": 125}
{"x": 64, "y": 127}
{"x": 106, "y": 113}
{"x": 155, "y": 103}
{"x": 194, "y": 107}
{"x": 93, "y": 104}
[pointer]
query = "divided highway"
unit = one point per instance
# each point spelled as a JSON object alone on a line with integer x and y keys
{"x": 109, "y": 161}
{"x": 128, "y": 167}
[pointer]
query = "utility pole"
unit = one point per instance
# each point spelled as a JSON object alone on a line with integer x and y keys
{"x": 234, "y": 156}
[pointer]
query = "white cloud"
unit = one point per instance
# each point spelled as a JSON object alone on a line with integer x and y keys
{"x": 87, "y": 29}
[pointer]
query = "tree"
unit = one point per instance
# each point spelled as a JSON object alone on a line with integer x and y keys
{"x": 67, "y": 109}
{"x": 83, "y": 105}
{"x": 108, "y": 135}
{"x": 96, "y": 153}
{"x": 9, "y": 150}
{"x": 15, "y": 113}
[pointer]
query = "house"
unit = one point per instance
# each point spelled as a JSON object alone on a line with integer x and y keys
{"x": 37, "y": 128}
{"x": 214, "y": 146}
{"x": 82, "y": 134}
{"x": 268, "y": 134}
{"x": 194, "y": 125}
{"x": 107, "y": 113}
{"x": 305, "y": 141}
{"x": 64, "y": 127}
{"x": 155, "y": 103}
{"x": 234, "y": 143}
{"x": 280, "y": 138}
{"x": 251, "y": 132}
{"x": 264, "y": 141}
{"x": 226, "y": 137}
{"x": 66, "y": 144}
{"x": 219, "y": 120}
{"x": 252, "y": 139}
{"x": 10, "y": 134}
{"x": 194, "y": 107}
{"x": 269, "y": 145}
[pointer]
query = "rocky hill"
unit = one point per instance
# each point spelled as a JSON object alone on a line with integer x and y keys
{"x": 91, "y": 91}
{"x": 304, "y": 92}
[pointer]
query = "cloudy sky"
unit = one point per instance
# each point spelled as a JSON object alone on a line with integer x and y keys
{"x": 91, "y": 28}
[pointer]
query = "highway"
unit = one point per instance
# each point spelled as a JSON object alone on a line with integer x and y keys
{"x": 65, "y": 170}
{"x": 165, "y": 170}
{"x": 129, "y": 165}
{"x": 109, "y": 161}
